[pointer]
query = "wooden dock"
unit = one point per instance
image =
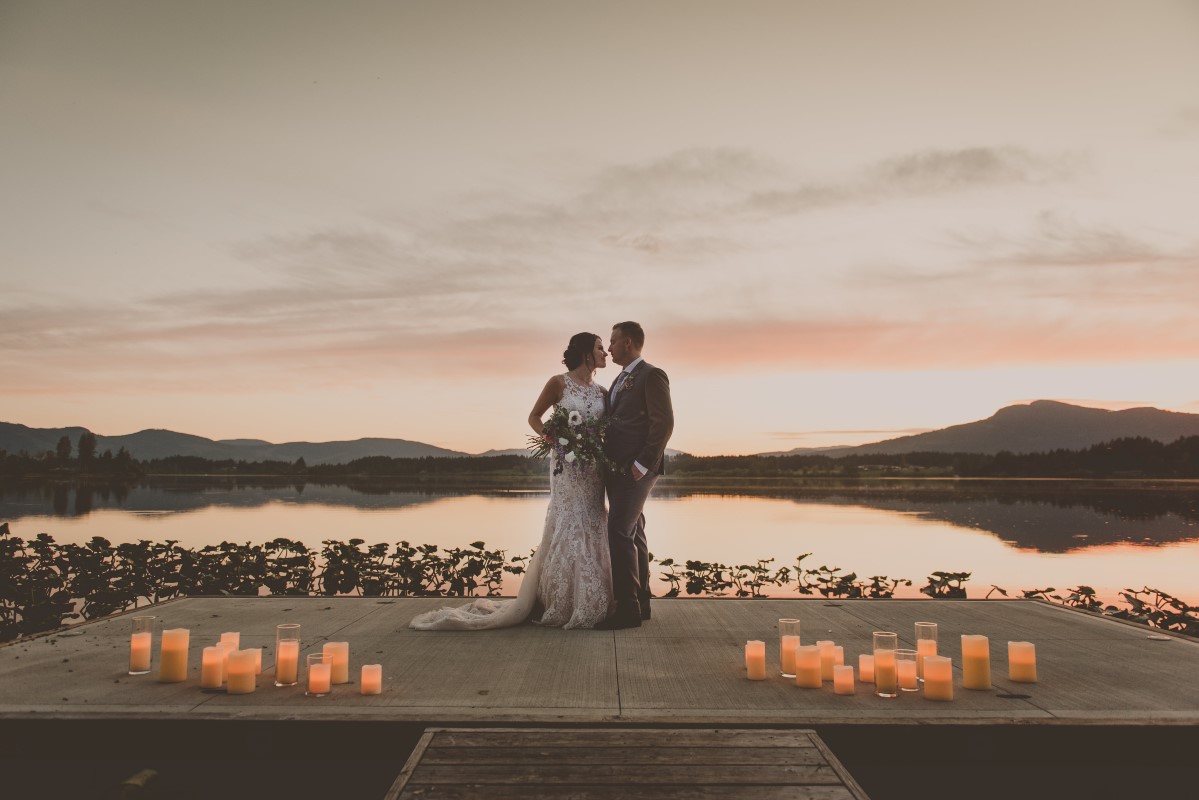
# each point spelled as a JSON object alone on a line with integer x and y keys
{"x": 685, "y": 667}
{"x": 602, "y": 764}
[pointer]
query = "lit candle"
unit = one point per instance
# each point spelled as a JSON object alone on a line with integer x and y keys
{"x": 172, "y": 658}
{"x": 827, "y": 659}
{"x": 924, "y": 649}
{"x": 226, "y": 647}
{"x": 287, "y": 663}
{"x": 886, "y": 679}
{"x": 212, "y": 667}
{"x": 1022, "y": 662}
{"x": 843, "y": 679}
{"x": 232, "y": 639}
{"x": 339, "y": 654}
{"x": 372, "y": 675}
{"x": 787, "y": 645}
{"x": 976, "y": 662}
{"x": 139, "y": 653}
{"x": 755, "y": 661}
{"x": 807, "y": 666}
{"x": 905, "y": 670}
{"x": 257, "y": 660}
{"x": 240, "y": 674}
{"x": 938, "y": 678}
{"x": 319, "y": 675}
{"x": 866, "y": 668}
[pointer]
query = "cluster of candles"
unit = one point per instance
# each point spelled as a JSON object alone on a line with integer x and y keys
{"x": 892, "y": 670}
{"x": 236, "y": 670}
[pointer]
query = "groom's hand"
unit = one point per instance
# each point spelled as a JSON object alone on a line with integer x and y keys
{"x": 636, "y": 473}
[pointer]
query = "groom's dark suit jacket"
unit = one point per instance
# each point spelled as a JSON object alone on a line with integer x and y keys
{"x": 642, "y": 419}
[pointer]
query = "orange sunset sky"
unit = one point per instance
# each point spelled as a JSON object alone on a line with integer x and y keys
{"x": 839, "y": 222}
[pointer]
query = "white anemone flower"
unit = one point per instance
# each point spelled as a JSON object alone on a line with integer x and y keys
{"x": 570, "y": 457}
{"x": 575, "y": 418}
{"x": 563, "y": 441}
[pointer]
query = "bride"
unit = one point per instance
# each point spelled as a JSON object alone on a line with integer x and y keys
{"x": 570, "y": 575}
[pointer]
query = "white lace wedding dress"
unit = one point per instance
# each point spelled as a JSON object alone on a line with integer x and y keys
{"x": 571, "y": 572}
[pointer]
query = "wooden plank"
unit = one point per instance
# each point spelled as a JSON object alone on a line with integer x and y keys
{"x": 619, "y": 737}
{"x": 644, "y": 755}
{"x": 606, "y": 774}
{"x": 846, "y": 779}
{"x": 414, "y": 759}
{"x": 574, "y": 792}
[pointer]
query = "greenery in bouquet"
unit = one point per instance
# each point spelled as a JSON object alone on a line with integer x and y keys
{"x": 573, "y": 439}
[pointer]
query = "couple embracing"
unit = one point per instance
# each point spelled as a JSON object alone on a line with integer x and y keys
{"x": 591, "y": 569}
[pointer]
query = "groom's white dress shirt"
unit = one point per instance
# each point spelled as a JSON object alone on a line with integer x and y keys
{"x": 612, "y": 401}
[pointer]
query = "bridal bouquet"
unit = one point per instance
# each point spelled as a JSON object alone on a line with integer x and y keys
{"x": 573, "y": 439}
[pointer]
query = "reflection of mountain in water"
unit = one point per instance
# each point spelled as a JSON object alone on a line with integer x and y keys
{"x": 72, "y": 501}
{"x": 1046, "y": 516}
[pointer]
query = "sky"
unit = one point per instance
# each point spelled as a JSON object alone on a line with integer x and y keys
{"x": 838, "y": 222}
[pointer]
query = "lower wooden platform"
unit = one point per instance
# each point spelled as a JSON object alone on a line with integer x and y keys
{"x": 599, "y": 764}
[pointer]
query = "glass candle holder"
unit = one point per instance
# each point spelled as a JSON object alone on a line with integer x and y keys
{"x": 788, "y": 641}
{"x": 926, "y": 645}
{"x": 886, "y": 676}
{"x": 320, "y": 674}
{"x": 905, "y": 670}
{"x": 287, "y": 654}
{"x": 140, "y": 642}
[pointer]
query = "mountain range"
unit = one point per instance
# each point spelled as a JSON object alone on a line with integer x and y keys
{"x": 1034, "y": 427}
{"x": 1038, "y": 426}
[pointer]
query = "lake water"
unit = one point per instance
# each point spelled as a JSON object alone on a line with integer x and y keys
{"x": 1014, "y": 534}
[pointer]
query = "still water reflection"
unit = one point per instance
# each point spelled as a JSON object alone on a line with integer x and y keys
{"x": 1015, "y": 534}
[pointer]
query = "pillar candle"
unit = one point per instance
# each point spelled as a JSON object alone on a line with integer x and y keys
{"x": 976, "y": 662}
{"x": 172, "y": 658}
{"x": 905, "y": 670}
{"x": 139, "y": 652}
{"x": 866, "y": 668}
{"x": 924, "y": 649}
{"x": 1022, "y": 662}
{"x": 212, "y": 667}
{"x": 287, "y": 662}
{"x": 807, "y": 666}
{"x": 240, "y": 676}
{"x": 755, "y": 660}
{"x": 372, "y": 675}
{"x": 257, "y": 660}
{"x": 886, "y": 679}
{"x": 226, "y": 647}
{"x": 827, "y": 657}
{"x": 233, "y": 639}
{"x": 843, "y": 679}
{"x": 938, "y": 678}
{"x": 787, "y": 645}
{"x": 319, "y": 676}
{"x": 340, "y": 652}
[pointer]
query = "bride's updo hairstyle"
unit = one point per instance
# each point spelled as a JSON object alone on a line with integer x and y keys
{"x": 581, "y": 345}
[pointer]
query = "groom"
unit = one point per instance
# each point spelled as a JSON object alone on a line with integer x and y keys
{"x": 641, "y": 423}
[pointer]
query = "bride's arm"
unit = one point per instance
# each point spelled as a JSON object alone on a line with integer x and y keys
{"x": 552, "y": 393}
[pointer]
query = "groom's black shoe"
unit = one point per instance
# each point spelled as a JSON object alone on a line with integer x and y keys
{"x": 630, "y": 618}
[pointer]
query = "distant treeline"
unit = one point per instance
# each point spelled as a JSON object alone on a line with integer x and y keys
{"x": 1137, "y": 457}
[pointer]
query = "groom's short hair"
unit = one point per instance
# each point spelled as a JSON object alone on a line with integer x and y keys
{"x": 633, "y": 331}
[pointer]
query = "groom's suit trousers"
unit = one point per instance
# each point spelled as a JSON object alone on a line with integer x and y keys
{"x": 627, "y": 542}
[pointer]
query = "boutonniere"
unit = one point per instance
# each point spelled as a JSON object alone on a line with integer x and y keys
{"x": 627, "y": 384}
